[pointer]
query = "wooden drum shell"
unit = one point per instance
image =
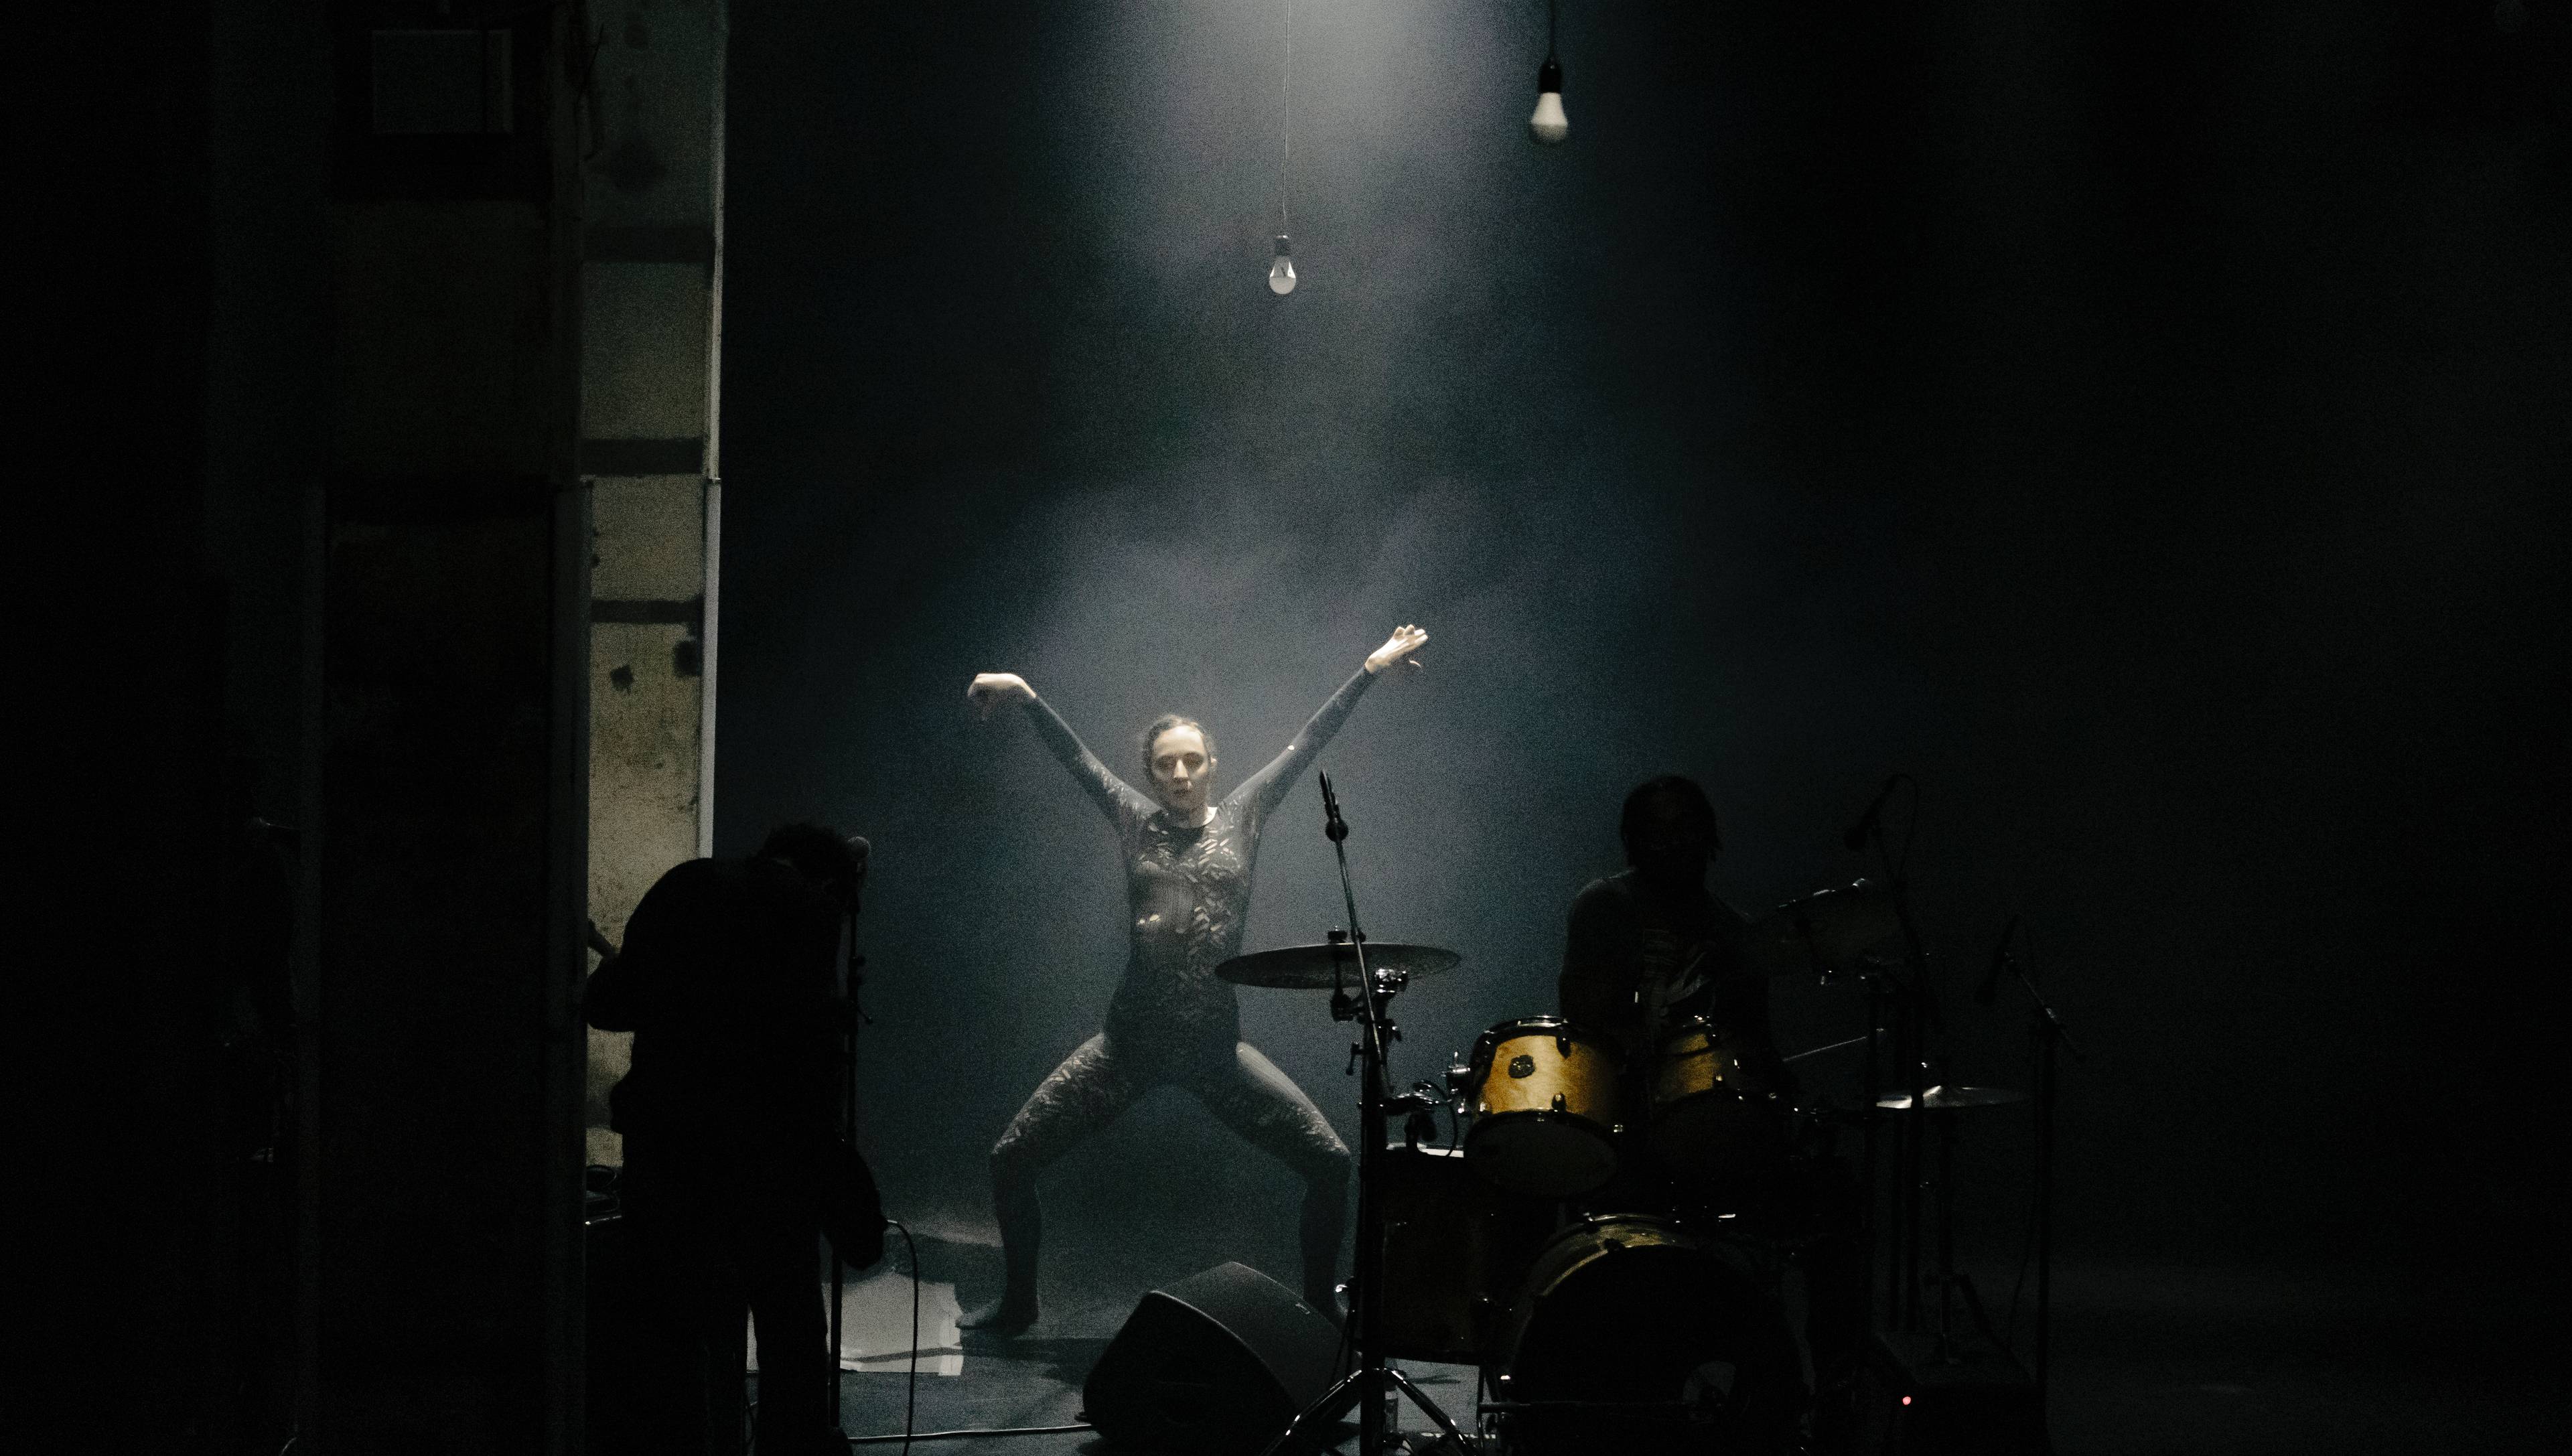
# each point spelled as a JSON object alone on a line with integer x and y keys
{"x": 1715, "y": 1115}
{"x": 1547, "y": 1108}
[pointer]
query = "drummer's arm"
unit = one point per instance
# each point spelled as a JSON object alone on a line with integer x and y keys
{"x": 1593, "y": 1003}
{"x": 1597, "y": 982}
{"x": 1741, "y": 1002}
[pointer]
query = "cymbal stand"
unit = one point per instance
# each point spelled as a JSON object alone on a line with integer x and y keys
{"x": 1944, "y": 1122}
{"x": 1878, "y": 992}
{"x": 1917, "y": 1014}
{"x": 1370, "y": 1378}
{"x": 1951, "y": 1281}
{"x": 2047, "y": 1032}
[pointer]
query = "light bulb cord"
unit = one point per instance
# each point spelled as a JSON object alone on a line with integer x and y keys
{"x": 1550, "y": 57}
{"x": 1286, "y": 113}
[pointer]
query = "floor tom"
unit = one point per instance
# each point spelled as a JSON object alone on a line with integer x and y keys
{"x": 1456, "y": 1250}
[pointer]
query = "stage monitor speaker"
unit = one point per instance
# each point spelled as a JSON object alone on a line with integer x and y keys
{"x": 1972, "y": 1402}
{"x": 1216, "y": 1363}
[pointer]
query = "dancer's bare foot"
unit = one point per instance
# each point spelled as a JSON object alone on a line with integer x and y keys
{"x": 1003, "y": 1318}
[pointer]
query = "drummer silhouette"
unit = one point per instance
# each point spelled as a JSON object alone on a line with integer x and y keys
{"x": 1652, "y": 946}
{"x": 1656, "y": 961}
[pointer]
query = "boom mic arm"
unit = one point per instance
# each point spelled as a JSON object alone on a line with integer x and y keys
{"x": 1855, "y": 839}
{"x": 1991, "y": 986}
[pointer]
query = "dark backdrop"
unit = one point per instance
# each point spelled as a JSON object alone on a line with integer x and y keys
{"x": 2143, "y": 423}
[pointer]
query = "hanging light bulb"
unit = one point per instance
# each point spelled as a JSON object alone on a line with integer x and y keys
{"x": 1281, "y": 272}
{"x": 1548, "y": 125}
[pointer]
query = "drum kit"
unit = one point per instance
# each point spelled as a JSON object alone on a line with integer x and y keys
{"x": 1579, "y": 1239}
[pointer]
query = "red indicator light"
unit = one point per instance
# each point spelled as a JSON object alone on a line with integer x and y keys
{"x": 1906, "y": 1400}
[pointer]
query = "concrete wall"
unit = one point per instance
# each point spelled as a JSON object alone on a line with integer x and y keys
{"x": 651, "y": 285}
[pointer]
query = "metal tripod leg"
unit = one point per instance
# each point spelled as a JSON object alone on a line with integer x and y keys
{"x": 1428, "y": 1408}
{"x": 1347, "y": 1393}
{"x": 1334, "y": 1403}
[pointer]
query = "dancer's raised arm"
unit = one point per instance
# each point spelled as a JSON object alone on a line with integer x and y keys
{"x": 1114, "y": 797}
{"x": 1267, "y": 788}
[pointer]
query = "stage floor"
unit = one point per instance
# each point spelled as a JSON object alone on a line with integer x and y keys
{"x": 2148, "y": 1360}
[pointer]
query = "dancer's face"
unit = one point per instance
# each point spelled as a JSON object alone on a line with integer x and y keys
{"x": 1182, "y": 770}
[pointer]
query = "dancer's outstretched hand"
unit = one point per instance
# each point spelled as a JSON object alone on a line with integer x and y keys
{"x": 1406, "y": 639}
{"x": 991, "y": 689}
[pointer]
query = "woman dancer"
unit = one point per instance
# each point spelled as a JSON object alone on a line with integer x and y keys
{"x": 1188, "y": 862}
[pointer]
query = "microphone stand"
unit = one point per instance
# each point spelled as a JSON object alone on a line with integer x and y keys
{"x": 1367, "y": 1383}
{"x": 847, "y": 1118}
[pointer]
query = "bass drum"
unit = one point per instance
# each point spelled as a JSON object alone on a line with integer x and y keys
{"x": 1669, "y": 1344}
{"x": 1456, "y": 1251}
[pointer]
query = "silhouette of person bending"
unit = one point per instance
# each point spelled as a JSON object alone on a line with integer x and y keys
{"x": 733, "y": 1164}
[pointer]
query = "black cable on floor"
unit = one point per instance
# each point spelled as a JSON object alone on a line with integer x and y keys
{"x": 954, "y": 1435}
{"x": 911, "y": 1387}
{"x": 910, "y": 1393}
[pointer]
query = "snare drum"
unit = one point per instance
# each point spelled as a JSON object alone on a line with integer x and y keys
{"x": 1546, "y": 1107}
{"x": 1716, "y": 1111}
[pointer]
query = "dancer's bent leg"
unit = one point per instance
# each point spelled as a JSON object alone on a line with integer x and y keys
{"x": 1086, "y": 1093}
{"x": 1263, "y": 1104}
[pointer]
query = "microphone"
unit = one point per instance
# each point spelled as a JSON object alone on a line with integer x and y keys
{"x": 1991, "y": 986}
{"x": 1333, "y": 826}
{"x": 1855, "y": 839}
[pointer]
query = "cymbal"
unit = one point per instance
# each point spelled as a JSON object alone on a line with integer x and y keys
{"x": 1312, "y": 968}
{"x": 1828, "y": 929}
{"x": 1947, "y": 1098}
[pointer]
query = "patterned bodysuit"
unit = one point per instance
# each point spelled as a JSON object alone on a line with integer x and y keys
{"x": 1172, "y": 1021}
